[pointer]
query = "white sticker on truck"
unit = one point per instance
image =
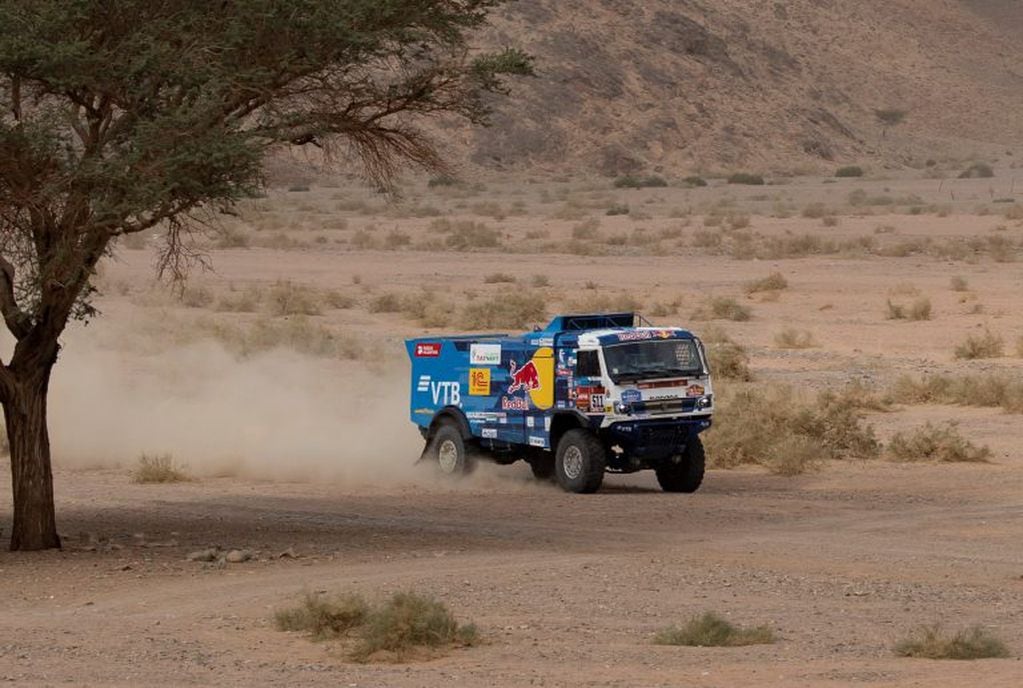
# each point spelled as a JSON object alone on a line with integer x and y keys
{"x": 485, "y": 354}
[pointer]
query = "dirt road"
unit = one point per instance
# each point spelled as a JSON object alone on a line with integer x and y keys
{"x": 567, "y": 590}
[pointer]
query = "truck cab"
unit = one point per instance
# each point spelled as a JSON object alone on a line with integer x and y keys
{"x": 587, "y": 395}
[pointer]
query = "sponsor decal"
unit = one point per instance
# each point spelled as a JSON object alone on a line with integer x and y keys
{"x": 695, "y": 390}
{"x": 424, "y": 384}
{"x": 535, "y": 377}
{"x": 547, "y": 423}
{"x": 427, "y": 349}
{"x": 537, "y": 442}
{"x": 590, "y": 399}
{"x": 485, "y": 354}
{"x": 529, "y": 421}
{"x": 543, "y": 341}
{"x": 514, "y": 404}
{"x": 479, "y": 382}
{"x": 484, "y": 415}
{"x": 448, "y": 393}
{"x": 640, "y": 335}
{"x": 423, "y": 412}
{"x": 488, "y": 433}
{"x": 631, "y": 396}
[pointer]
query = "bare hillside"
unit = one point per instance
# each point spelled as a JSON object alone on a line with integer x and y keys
{"x": 627, "y": 85}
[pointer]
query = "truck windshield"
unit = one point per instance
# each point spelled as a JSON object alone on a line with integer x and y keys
{"x": 652, "y": 359}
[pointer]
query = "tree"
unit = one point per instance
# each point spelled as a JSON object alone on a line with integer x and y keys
{"x": 889, "y": 117}
{"x": 121, "y": 115}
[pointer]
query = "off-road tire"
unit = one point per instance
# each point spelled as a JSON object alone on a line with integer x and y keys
{"x": 449, "y": 452}
{"x": 542, "y": 465}
{"x": 687, "y": 474}
{"x": 579, "y": 462}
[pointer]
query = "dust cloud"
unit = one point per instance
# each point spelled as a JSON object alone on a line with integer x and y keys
{"x": 279, "y": 415}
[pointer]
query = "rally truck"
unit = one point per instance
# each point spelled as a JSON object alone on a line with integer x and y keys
{"x": 586, "y": 395}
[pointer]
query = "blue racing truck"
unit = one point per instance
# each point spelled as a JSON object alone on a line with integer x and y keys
{"x": 588, "y": 394}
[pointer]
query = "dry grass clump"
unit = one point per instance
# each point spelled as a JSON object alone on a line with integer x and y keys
{"x": 969, "y": 390}
{"x": 394, "y": 629}
{"x": 197, "y": 296}
{"x": 507, "y": 309}
{"x": 791, "y": 338}
{"x": 772, "y": 427}
{"x": 710, "y": 630}
{"x": 958, "y": 283}
{"x": 286, "y": 299}
{"x": 987, "y": 345}
{"x": 296, "y": 334}
{"x": 323, "y": 618}
{"x": 773, "y": 282}
{"x": 931, "y": 642}
{"x": 246, "y": 300}
{"x": 158, "y": 469}
{"x": 919, "y": 309}
{"x": 941, "y": 443}
{"x": 722, "y": 308}
{"x": 728, "y": 359}
{"x": 465, "y": 235}
{"x": 746, "y": 178}
{"x": 499, "y": 278}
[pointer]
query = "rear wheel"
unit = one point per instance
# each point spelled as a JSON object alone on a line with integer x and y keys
{"x": 683, "y": 473}
{"x": 580, "y": 461}
{"x": 449, "y": 451}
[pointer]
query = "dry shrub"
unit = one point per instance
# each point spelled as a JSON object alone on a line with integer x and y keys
{"x": 499, "y": 278}
{"x": 286, "y": 298}
{"x": 728, "y": 359}
{"x": 931, "y": 642}
{"x": 466, "y": 236}
{"x": 297, "y": 334}
{"x": 990, "y": 390}
{"x": 516, "y": 309}
{"x": 958, "y": 283}
{"x": 860, "y": 396}
{"x": 158, "y": 469}
{"x": 941, "y": 443}
{"x": 772, "y": 427}
{"x": 197, "y": 296}
{"x": 710, "y": 630}
{"x": 791, "y": 338}
{"x": 540, "y": 281}
{"x": 385, "y": 303}
{"x": 919, "y": 309}
{"x": 338, "y": 300}
{"x": 428, "y": 309}
{"x": 408, "y": 621}
{"x": 589, "y": 229}
{"x": 232, "y": 237}
{"x": 722, "y": 308}
{"x": 323, "y": 618}
{"x": 773, "y": 282}
{"x": 247, "y": 300}
{"x": 987, "y": 345}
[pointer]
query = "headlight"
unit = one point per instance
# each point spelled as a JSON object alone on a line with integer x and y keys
{"x": 622, "y": 408}
{"x": 704, "y": 403}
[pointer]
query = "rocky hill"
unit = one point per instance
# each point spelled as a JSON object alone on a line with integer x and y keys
{"x": 772, "y": 85}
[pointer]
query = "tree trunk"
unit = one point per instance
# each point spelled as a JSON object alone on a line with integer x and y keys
{"x": 35, "y": 524}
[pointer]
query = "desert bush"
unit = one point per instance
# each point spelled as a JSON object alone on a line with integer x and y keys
{"x": 498, "y": 278}
{"x": 791, "y": 338}
{"x": 618, "y": 209}
{"x": 931, "y": 642}
{"x": 978, "y": 170}
{"x": 958, "y": 283}
{"x": 466, "y": 235}
{"x": 773, "y": 282}
{"x": 387, "y": 302}
{"x": 858, "y": 396}
{"x": 829, "y": 221}
{"x": 362, "y": 239}
{"x": 152, "y": 468}
{"x": 247, "y": 300}
{"x": 773, "y": 427}
{"x": 991, "y": 390}
{"x": 849, "y": 171}
{"x": 516, "y": 309}
{"x": 1014, "y": 212}
{"x": 540, "y": 281}
{"x": 722, "y": 308}
{"x": 710, "y": 630}
{"x": 396, "y": 239}
{"x": 589, "y": 229}
{"x": 987, "y": 345}
{"x": 942, "y": 443}
{"x": 408, "y": 621}
{"x": 323, "y": 618}
{"x": 197, "y": 296}
{"x": 737, "y": 221}
{"x": 703, "y": 238}
{"x": 286, "y": 299}
{"x": 631, "y": 182}
{"x": 728, "y": 359}
{"x": 919, "y": 309}
{"x": 746, "y": 178}
{"x": 231, "y": 237}
{"x": 815, "y": 211}
{"x": 338, "y": 300}
{"x": 694, "y": 181}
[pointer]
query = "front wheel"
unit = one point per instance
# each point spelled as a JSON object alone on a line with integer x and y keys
{"x": 579, "y": 462}
{"x": 448, "y": 450}
{"x": 684, "y": 473}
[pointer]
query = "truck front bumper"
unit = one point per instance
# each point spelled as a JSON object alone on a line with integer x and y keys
{"x": 655, "y": 440}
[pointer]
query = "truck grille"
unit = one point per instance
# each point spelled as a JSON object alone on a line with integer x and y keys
{"x": 667, "y": 406}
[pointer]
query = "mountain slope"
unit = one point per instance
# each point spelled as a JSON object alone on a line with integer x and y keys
{"x": 627, "y": 85}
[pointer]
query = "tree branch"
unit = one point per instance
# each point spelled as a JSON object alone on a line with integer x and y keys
{"x": 17, "y": 321}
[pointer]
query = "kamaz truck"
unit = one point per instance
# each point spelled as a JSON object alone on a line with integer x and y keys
{"x": 587, "y": 395}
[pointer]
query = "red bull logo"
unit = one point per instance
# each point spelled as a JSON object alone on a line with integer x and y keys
{"x": 525, "y": 378}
